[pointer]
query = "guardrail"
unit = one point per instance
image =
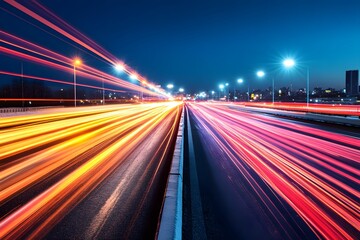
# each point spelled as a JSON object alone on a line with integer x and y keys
{"x": 171, "y": 217}
{"x": 24, "y": 109}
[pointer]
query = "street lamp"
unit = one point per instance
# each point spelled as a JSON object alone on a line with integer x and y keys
{"x": 289, "y": 63}
{"x": 170, "y": 86}
{"x": 227, "y": 91}
{"x": 77, "y": 62}
{"x": 221, "y": 86}
{"x": 261, "y": 74}
{"x": 240, "y": 80}
{"x": 103, "y": 91}
{"x": 134, "y": 76}
{"x": 119, "y": 67}
{"x": 181, "y": 90}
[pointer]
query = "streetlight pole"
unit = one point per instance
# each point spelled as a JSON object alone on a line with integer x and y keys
{"x": 22, "y": 84}
{"x": 227, "y": 92}
{"x": 103, "y": 92}
{"x": 307, "y": 87}
{"x": 234, "y": 94}
{"x": 74, "y": 85}
{"x": 77, "y": 62}
{"x": 288, "y": 63}
{"x": 273, "y": 90}
{"x": 222, "y": 87}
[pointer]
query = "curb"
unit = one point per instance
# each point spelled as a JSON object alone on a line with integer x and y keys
{"x": 171, "y": 216}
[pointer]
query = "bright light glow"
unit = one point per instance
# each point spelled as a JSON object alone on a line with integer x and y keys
{"x": 226, "y": 84}
{"x": 48, "y": 136}
{"x": 134, "y": 76}
{"x": 202, "y": 94}
{"x": 119, "y": 67}
{"x": 289, "y": 63}
{"x": 170, "y": 86}
{"x": 212, "y": 92}
{"x": 260, "y": 73}
{"x": 181, "y": 90}
{"x": 77, "y": 62}
{"x": 240, "y": 80}
{"x": 221, "y": 86}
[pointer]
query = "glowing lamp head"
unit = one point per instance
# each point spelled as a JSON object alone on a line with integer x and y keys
{"x": 289, "y": 63}
{"x": 170, "y": 86}
{"x": 260, "y": 73}
{"x": 119, "y": 67}
{"x": 77, "y": 62}
{"x": 221, "y": 86}
{"x": 240, "y": 80}
{"x": 134, "y": 76}
{"x": 181, "y": 90}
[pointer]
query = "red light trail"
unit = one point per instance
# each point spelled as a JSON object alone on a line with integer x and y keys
{"x": 332, "y": 109}
{"x": 37, "y": 11}
{"x": 316, "y": 172}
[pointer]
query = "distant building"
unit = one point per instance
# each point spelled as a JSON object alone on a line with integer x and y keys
{"x": 352, "y": 82}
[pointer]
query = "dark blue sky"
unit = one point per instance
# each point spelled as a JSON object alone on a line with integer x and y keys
{"x": 199, "y": 44}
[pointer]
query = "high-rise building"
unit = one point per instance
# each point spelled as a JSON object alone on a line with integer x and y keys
{"x": 352, "y": 82}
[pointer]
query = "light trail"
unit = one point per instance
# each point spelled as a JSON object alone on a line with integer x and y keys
{"x": 333, "y": 109}
{"x": 55, "y": 81}
{"x": 39, "y": 12}
{"x": 316, "y": 172}
{"x": 89, "y": 73}
{"x": 69, "y": 154}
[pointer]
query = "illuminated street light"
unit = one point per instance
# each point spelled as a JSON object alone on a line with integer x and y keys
{"x": 240, "y": 80}
{"x": 289, "y": 63}
{"x": 221, "y": 86}
{"x": 170, "y": 86}
{"x": 227, "y": 92}
{"x": 77, "y": 62}
{"x": 260, "y": 74}
{"x": 181, "y": 90}
{"x": 134, "y": 76}
{"x": 119, "y": 67}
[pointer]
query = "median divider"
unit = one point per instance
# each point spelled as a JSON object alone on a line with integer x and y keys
{"x": 171, "y": 218}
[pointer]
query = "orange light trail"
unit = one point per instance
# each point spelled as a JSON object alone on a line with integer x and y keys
{"x": 316, "y": 172}
{"x": 79, "y": 148}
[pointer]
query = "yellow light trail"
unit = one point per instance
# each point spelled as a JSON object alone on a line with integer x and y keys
{"x": 82, "y": 146}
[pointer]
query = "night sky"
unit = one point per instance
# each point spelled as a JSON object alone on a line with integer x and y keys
{"x": 200, "y": 44}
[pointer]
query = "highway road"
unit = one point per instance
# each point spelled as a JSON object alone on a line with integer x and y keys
{"x": 263, "y": 177}
{"x": 97, "y": 172}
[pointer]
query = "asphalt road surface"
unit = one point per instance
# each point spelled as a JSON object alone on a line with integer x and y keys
{"x": 262, "y": 177}
{"x": 87, "y": 173}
